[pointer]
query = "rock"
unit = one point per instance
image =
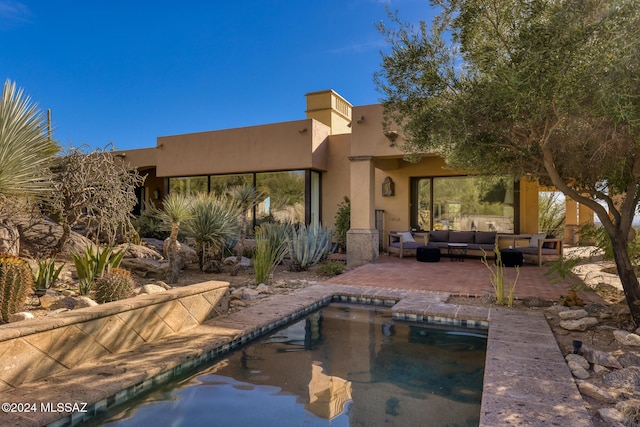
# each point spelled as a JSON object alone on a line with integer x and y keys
{"x": 573, "y": 314}
{"x": 84, "y": 301}
{"x": 9, "y": 238}
{"x": 138, "y": 251}
{"x": 163, "y": 285}
{"x": 65, "y": 302}
{"x": 42, "y": 235}
{"x": 623, "y": 378}
{"x": 238, "y": 303}
{"x": 557, "y": 309}
{"x": 596, "y": 392}
{"x": 17, "y": 317}
{"x": 598, "y": 310}
{"x": 263, "y": 289}
{"x": 536, "y": 302}
{"x": 247, "y": 294}
{"x": 152, "y": 289}
{"x": 598, "y": 357}
{"x": 186, "y": 255}
{"x": 600, "y": 370}
{"x": 611, "y": 415}
{"x": 579, "y": 324}
{"x": 47, "y": 300}
{"x": 578, "y": 371}
{"x": 67, "y": 293}
{"x": 626, "y": 338}
{"x": 629, "y": 358}
{"x": 145, "y": 267}
{"x": 212, "y": 266}
{"x": 576, "y": 358}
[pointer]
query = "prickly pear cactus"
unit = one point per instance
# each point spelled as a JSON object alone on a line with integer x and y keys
{"x": 115, "y": 285}
{"x": 16, "y": 282}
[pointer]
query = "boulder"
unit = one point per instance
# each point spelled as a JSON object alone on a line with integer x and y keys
{"x": 596, "y": 392}
{"x": 578, "y": 371}
{"x": 17, "y": 317}
{"x": 598, "y": 357}
{"x": 9, "y": 238}
{"x": 573, "y": 314}
{"x": 145, "y": 267}
{"x": 629, "y": 358}
{"x": 627, "y": 338}
{"x": 623, "y": 378}
{"x": 186, "y": 254}
{"x": 41, "y": 237}
{"x": 576, "y": 358}
{"x": 579, "y": 324}
{"x": 611, "y": 416}
{"x": 83, "y": 301}
{"x": 47, "y": 300}
{"x": 152, "y": 289}
{"x": 536, "y": 302}
{"x": 138, "y": 251}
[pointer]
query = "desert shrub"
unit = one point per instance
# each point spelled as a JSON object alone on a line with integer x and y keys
{"x": 91, "y": 266}
{"x": 343, "y": 222}
{"x": 269, "y": 252}
{"x": 16, "y": 281}
{"x": 115, "y": 285}
{"x": 148, "y": 224}
{"x": 331, "y": 268}
{"x": 597, "y": 235}
{"x": 46, "y": 274}
{"x": 307, "y": 245}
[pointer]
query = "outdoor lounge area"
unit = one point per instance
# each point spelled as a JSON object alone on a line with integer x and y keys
{"x": 537, "y": 248}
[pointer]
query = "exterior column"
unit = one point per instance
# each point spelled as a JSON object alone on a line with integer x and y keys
{"x": 571, "y": 221}
{"x": 362, "y": 238}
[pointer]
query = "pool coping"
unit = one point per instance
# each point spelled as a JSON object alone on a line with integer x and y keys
{"x": 526, "y": 378}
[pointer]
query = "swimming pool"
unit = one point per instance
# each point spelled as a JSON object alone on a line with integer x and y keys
{"x": 343, "y": 365}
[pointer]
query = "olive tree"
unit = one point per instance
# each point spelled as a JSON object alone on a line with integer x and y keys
{"x": 544, "y": 88}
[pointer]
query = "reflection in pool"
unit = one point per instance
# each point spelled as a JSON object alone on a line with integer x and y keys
{"x": 341, "y": 366}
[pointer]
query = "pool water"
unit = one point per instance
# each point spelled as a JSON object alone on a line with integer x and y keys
{"x": 343, "y": 365}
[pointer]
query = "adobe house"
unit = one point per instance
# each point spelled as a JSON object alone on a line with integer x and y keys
{"x": 306, "y": 167}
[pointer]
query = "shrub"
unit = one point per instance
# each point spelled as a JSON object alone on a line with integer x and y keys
{"x": 307, "y": 245}
{"x": 16, "y": 281}
{"x": 343, "y": 222}
{"x": 498, "y": 281}
{"x": 331, "y": 268}
{"x": 47, "y": 273}
{"x": 115, "y": 285}
{"x": 270, "y": 250}
{"x": 90, "y": 266}
{"x": 149, "y": 224}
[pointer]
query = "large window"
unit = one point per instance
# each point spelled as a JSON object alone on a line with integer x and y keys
{"x": 290, "y": 196}
{"x": 480, "y": 203}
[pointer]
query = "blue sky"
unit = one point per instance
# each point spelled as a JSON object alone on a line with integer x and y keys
{"x": 126, "y": 72}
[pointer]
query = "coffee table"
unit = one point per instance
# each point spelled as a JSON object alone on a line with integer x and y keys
{"x": 457, "y": 251}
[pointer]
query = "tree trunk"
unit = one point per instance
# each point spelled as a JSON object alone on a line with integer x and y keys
{"x": 627, "y": 274}
{"x": 172, "y": 255}
{"x": 66, "y": 232}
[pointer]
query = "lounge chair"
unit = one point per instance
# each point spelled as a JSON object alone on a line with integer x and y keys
{"x": 403, "y": 243}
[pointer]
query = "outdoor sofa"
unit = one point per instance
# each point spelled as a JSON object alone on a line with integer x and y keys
{"x": 404, "y": 243}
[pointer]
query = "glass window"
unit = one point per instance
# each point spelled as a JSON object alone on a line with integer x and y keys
{"x": 189, "y": 185}
{"x": 314, "y": 208}
{"x": 284, "y": 196}
{"x": 221, "y": 183}
{"x": 480, "y": 203}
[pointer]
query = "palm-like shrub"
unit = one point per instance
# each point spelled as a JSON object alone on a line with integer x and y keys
{"x": 115, "y": 285}
{"x": 91, "y": 266}
{"x": 16, "y": 282}
{"x": 26, "y": 151}
{"x": 176, "y": 209}
{"x": 307, "y": 245}
{"x": 47, "y": 273}
{"x": 271, "y": 247}
{"x": 212, "y": 222}
{"x": 244, "y": 197}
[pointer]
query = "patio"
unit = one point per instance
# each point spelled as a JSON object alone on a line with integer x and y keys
{"x": 469, "y": 278}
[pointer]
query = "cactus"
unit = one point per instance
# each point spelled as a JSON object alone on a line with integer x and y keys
{"x": 307, "y": 245}
{"x": 114, "y": 285}
{"x": 16, "y": 281}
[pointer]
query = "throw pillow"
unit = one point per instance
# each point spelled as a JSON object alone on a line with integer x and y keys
{"x": 407, "y": 237}
{"x": 549, "y": 245}
{"x": 533, "y": 243}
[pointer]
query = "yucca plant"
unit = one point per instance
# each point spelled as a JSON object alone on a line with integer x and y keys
{"x": 115, "y": 285}
{"x": 91, "y": 266}
{"x": 176, "y": 209}
{"x": 26, "y": 150}
{"x": 16, "y": 281}
{"x": 46, "y": 274}
{"x": 498, "y": 280}
{"x": 270, "y": 251}
{"x": 307, "y": 245}
{"x": 213, "y": 221}
{"x": 245, "y": 197}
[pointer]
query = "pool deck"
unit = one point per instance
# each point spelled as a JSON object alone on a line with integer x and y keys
{"x": 527, "y": 381}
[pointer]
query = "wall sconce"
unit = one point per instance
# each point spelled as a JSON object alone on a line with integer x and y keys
{"x": 388, "y": 187}
{"x": 391, "y": 135}
{"x": 302, "y": 130}
{"x": 156, "y": 194}
{"x": 360, "y": 120}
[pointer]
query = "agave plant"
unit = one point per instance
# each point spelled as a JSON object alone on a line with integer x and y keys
{"x": 213, "y": 221}
{"x": 26, "y": 150}
{"x": 307, "y": 245}
{"x": 91, "y": 266}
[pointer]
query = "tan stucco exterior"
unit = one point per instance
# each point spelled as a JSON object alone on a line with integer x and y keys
{"x": 347, "y": 145}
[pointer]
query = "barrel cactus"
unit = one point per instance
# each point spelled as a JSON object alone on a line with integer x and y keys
{"x": 115, "y": 285}
{"x": 16, "y": 282}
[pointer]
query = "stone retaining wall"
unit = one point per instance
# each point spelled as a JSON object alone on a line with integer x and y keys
{"x": 34, "y": 349}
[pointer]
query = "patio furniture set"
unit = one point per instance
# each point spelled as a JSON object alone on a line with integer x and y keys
{"x": 457, "y": 245}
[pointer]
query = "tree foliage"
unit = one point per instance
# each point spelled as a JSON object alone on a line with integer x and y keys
{"x": 95, "y": 190}
{"x": 545, "y": 88}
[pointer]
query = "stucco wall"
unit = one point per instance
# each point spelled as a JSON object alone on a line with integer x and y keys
{"x": 335, "y": 183}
